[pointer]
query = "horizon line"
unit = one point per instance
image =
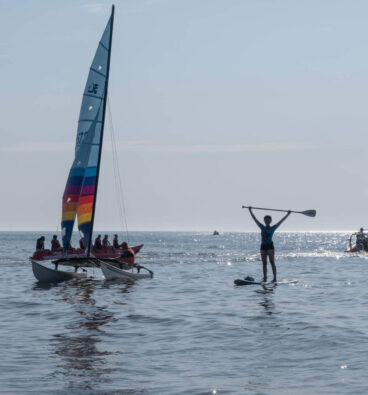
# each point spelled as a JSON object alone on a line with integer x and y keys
{"x": 185, "y": 230}
{"x": 148, "y": 147}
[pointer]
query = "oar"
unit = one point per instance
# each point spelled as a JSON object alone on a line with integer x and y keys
{"x": 308, "y": 213}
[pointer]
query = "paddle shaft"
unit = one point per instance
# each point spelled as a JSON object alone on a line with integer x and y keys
{"x": 273, "y": 209}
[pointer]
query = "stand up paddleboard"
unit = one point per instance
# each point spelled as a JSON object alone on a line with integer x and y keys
{"x": 250, "y": 282}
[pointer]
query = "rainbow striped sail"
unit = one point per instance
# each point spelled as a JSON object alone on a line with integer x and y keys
{"x": 80, "y": 191}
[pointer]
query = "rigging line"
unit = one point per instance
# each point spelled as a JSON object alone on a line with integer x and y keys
{"x": 116, "y": 172}
{"x": 118, "y": 182}
{"x": 117, "y": 186}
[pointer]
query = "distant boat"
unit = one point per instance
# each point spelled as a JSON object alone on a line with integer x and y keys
{"x": 360, "y": 244}
{"x": 79, "y": 199}
{"x": 215, "y": 233}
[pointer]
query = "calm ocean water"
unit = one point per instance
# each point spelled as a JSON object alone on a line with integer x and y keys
{"x": 189, "y": 330}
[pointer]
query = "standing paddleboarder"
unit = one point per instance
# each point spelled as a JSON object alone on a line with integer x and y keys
{"x": 267, "y": 247}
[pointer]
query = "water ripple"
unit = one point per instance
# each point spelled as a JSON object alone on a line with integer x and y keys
{"x": 189, "y": 330}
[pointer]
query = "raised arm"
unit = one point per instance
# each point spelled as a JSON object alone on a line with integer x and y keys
{"x": 254, "y": 217}
{"x": 283, "y": 219}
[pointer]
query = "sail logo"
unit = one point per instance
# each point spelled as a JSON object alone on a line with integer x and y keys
{"x": 93, "y": 88}
{"x": 81, "y": 136}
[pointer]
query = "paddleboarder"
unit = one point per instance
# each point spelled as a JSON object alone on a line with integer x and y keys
{"x": 267, "y": 247}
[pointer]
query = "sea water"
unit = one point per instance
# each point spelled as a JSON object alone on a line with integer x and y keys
{"x": 189, "y": 330}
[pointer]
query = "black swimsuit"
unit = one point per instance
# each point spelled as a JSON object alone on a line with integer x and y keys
{"x": 267, "y": 233}
{"x": 267, "y": 246}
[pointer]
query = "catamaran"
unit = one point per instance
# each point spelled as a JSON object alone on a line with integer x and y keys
{"x": 79, "y": 199}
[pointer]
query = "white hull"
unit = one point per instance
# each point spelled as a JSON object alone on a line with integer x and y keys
{"x": 45, "y": 275}
{"x": 113, "y": 273}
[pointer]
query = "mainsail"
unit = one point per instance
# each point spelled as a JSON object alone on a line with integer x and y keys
{"x": 81, "y": 188}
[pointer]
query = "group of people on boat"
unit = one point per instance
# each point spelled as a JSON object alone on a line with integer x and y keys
{"x": 55, "y": 244}
{"x": 104, "y": 243}
{"x": 98, "y": 244}
{"x": 126, "y": 253}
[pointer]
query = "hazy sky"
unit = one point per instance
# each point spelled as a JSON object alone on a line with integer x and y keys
{"x": 217, "y": 103}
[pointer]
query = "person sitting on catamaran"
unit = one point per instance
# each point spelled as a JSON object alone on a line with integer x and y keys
{"x": 98, "y": 244}
{"x": 267, "y": 247}
{"x": 40, "y": 244}
{"x": 55, "y": 244}
{"x": 115, "y": 242}
{"x": 127, "y": 254}
{"x": 105, "y": 241}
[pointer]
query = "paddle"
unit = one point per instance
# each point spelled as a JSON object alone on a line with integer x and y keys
{"x": 308, "y": 213}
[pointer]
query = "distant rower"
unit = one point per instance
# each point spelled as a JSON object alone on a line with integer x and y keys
{"x": 267, "y": 247}
{"x": 361, "y": 240}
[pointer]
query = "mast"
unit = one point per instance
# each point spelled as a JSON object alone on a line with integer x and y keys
{"x": 102, "y": 131}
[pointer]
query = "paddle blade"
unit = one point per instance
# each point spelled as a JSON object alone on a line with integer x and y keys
{"x": 309, "y": 213}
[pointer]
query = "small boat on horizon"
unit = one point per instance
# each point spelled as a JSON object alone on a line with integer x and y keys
{"x": 360, "y": 244}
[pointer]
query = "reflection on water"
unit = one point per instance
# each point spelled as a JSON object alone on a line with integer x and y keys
{"x": 126, "y": 284}
{"x": 82, "y": 364}
{"x": 189, "y": 331}
{"x": 43, "y": 286}
{"x": 268, "y": 305}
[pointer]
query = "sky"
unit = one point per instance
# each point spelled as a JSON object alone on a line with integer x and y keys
{"x": 215, "y": 104}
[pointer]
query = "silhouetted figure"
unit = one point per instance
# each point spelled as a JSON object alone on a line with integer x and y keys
{"x": 115, "y": 242}
{"x": 98, "y": 244}
{"x": 267, "y": 247}
{"x": 81, "y": 244}
{"x": 40, "y": 244}
{"x": 127, "y": 254}
{"x": 361, "y": 240}
{"x": 55, "y": 244}
{"x": 105, "y": 242}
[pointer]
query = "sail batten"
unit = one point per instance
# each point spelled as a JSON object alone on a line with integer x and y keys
{"x": 80, "y": 191}
{"x": 103, "y": 46}
{"x": 94, "y": 96}
{"x": 98, "y": 72}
